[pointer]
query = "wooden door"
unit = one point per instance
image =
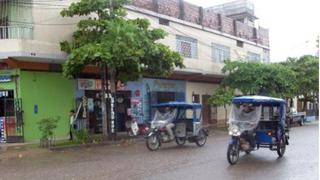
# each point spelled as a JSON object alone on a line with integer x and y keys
{"x": 206, "y": 111}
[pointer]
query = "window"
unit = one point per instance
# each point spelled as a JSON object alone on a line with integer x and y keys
{"x": 253, "y": 56}
{"x": 16, "y": 19}
{"x": 187, "y": 47}
{"x": 266, "y": 55}
{"x": 195, "y": 98}
{"x": 239, "y": 43}
{"x": 220, "y": 53}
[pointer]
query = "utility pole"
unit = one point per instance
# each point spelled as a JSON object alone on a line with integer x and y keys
{"x": 103, "y": 99}
{"x": 112, "y": 94}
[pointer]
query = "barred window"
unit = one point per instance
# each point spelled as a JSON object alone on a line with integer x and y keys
{"x": 187, "y": 47}
{"x": 220, "y": 53}
{"x": 16, "y": 19}
{"x": 253, "y": 56}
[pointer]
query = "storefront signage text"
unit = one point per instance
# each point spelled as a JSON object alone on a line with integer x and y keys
{"x": 112, "y": 115}
{"x": 164, "y": 85}
{"x": 5, "y": 78}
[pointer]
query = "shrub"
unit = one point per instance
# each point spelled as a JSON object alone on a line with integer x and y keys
{"x": 47, "y": 127}
{"x": 81, "y": 135}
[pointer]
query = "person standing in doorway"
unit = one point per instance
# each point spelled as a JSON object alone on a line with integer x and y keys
{"x": 72, "y": 125}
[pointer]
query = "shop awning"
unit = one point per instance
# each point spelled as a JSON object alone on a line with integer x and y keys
{"x": 196, "y": 76}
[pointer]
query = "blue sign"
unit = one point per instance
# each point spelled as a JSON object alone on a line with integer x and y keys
{"x": 5, "y": 78}
{"x": 35, "y": 109}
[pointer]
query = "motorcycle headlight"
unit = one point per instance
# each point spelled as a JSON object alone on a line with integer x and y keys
{"x": 234, "y": 131}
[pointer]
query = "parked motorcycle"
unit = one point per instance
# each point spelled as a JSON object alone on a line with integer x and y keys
{"x": 135, "y": 129}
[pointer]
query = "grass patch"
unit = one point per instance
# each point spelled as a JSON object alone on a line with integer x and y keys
{"x": 67, "y": 143}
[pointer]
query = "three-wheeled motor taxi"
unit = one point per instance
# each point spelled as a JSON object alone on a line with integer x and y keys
{"x": 186, "y": 122}
{"x": 257, "y": 122}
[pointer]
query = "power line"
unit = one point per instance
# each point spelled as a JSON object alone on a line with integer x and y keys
{"x": 44, "y": 24}
{"x": 38, "y": 3}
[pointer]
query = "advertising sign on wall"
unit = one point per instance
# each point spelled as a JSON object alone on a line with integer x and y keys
{"x": 4, "y": 79}
{"x": 136, "y": 109}
{"x": 89, "y": 84}
{"x": 2, "y": 130}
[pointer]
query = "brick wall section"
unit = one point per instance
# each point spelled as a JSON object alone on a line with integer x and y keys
{"x": 145, "y": 4}
{"x": 263, "y": 36}
{"x": 227, "y": 25}
{"x": 169, "y": 7}
{"x": 191, "y": 13}
{"x": 210, "y": 19}
{"x": 245, "y": 31}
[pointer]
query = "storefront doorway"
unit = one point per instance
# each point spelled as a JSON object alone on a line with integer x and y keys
{"x": 10, "y": 118}
{"x": 123, "y": 103}
{"x": 90, "y": 114}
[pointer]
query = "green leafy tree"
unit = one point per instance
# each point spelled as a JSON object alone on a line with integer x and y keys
{"x": 307, "y": 79}
{"x": 222, "y": 97}
{"x": 128, "y": 48}
{"x": 258, "y": 78}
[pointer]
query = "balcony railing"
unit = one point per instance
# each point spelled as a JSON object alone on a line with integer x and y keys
{"x": 16, "y": 32}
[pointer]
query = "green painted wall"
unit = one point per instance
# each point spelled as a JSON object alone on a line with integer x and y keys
{"x": 53, "y": 94}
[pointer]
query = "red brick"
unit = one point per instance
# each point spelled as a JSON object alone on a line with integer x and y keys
{"x": 145, "y": 4}
{"x": 245, "y": 31}
{"x": 191, "y": 13}
{"x": 263, "y": 36}
{"x": 227, "y": 25}
{"x": 169, "y": 7}
{"x": 210, "y": 19}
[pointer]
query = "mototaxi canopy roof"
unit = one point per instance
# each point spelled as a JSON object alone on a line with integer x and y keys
{"x": 259, "y": 100}
{"x": 178, "y": 105}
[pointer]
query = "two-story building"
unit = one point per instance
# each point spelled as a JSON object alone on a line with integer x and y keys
{"x": 32, "y": 86}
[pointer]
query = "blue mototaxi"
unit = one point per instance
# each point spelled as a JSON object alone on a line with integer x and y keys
{"x": 257, "y": 122}
{"x": 187, "y": 120}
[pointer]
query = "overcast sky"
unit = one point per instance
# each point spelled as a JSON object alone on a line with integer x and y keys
{"x": 293, "y": 24}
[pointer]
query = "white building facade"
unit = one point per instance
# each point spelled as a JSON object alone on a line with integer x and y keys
{"x": 30, "y": 33}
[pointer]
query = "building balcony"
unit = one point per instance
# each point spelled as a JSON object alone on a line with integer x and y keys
{"x": 17, "y": 42}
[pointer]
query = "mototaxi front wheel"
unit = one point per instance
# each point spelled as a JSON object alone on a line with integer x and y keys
{"x": 281, "y": 147}
{"x": 153, "y": 142}
{"x": 233, "y": 154}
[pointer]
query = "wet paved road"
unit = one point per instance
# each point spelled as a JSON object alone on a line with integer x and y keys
{"x": 171, "y": 162}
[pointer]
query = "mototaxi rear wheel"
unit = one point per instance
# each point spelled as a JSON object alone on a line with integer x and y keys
{"x": 180, "y": 141}
{"x": 201, "y": 139}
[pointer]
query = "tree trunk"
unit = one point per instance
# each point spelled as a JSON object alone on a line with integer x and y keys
{"x": 305, "y": 100}
{"x": 291, "y": 102}
{"x": 103, "y": 100}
